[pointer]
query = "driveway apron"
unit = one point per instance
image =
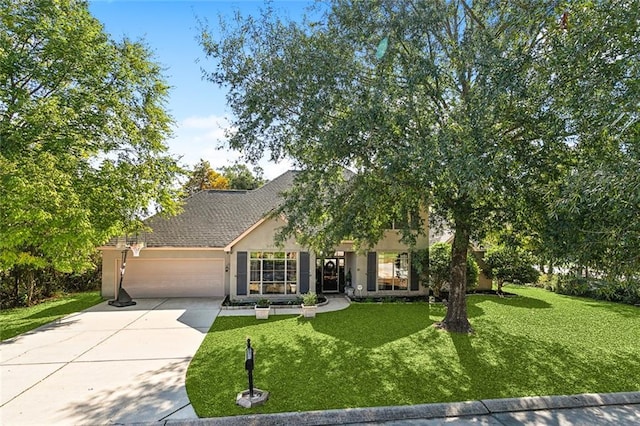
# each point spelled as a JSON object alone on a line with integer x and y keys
{"x": 105, "y": 365}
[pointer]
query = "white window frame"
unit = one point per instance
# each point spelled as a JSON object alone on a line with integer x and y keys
{"x": 290, "y": 286}
{"x": 394, "y": 273}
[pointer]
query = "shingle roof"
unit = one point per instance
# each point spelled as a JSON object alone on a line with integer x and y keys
{"x": 215, "y": 218}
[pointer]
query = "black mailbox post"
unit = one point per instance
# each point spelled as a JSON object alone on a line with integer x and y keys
{"x": 248, "y": 365}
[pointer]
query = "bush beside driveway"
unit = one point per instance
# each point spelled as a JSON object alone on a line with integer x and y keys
{"x": 20, "y": 320}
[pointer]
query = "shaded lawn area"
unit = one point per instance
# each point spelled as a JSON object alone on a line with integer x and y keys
{"x": 19, "y": 320}
{"x": 539, "y": 343}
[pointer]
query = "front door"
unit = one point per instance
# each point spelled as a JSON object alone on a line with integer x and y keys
{"x": 331, "y": 275}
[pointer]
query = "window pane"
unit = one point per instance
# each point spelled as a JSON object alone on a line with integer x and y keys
{"x": 278, "y": 265}
{"x": 386, "y": 271}
{"x": 273, "y": 288}
{"x": 402, "y": 271}
{"x": 402, "y": 284}
{"x": 269, "y": 271}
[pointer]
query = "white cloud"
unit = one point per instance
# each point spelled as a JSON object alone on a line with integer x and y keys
{"x": 204, "y": 138}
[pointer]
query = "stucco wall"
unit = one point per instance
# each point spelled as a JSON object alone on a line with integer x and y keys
{"x": 261, "y": 238}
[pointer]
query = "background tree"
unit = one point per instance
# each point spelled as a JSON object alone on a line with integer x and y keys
{"x": 592, "y": 218}
{"x": 240, "y": 177}
{"x": 82, "y": 131}
{"x": 204, "y": 177}
{"x": 462, "y": 106}
{"x": 510, "y": 261}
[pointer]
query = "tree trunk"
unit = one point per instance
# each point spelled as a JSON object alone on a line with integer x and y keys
{"x": 456, "y": 319}
{"x": 16, "y": 286}
{"x": 31, "y": 285}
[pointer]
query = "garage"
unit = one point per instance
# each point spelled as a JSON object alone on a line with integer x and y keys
{"x": 174, "y": 277}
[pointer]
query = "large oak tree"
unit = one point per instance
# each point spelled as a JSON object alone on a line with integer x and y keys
{"x": 83, "y": 126}
{"x": 459, "y": 106}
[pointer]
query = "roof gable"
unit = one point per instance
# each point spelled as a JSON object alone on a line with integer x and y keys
{"x": 215, "y": 218}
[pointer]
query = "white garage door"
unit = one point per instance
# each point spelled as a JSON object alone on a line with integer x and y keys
{"x": 174, "y": 278}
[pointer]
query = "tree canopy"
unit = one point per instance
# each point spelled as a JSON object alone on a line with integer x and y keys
{"x": 472, "y": 109}
{"x": 202, "y": 177}
{"x": 241, "y": 177}
{"x": 237, "y": 176}
{"x": 509, "y": 260}
{"x": 83, "y": 126}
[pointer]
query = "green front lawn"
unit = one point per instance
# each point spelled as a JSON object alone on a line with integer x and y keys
{"x": 538, "y": 343}
{"x": 19, "y": 320}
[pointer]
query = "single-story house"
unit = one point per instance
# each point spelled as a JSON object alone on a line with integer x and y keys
{"x": 223, "y": 244}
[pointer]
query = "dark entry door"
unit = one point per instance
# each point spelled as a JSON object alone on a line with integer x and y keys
{"x": 330, "y": 274}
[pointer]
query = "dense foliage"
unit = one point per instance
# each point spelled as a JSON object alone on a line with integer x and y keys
{"x": 83, "y": 126}
{"x": 237, "y": 176}
{"x": 509, "y": 259}
{"x": 203, "y": 177}
{"x": 241, "y": 177}
{"x": 612, "y": 290}
{"x": 25, "y": 286}
{"x": 440, "y": 269}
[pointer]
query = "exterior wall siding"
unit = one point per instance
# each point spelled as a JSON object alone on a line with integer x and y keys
{"x": 111, "y": 259}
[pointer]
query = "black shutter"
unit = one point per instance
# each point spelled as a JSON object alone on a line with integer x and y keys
{"x": 304, "y": 272}
{"x": 372, "y": 277}
{"x": 242, "y": 273}
{"x": 414, "y": 285}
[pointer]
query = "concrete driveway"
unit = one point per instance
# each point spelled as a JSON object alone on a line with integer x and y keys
{"x": 105, "y": 365}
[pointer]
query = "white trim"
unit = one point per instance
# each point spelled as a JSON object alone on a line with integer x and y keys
{"x": 111, "y": 248}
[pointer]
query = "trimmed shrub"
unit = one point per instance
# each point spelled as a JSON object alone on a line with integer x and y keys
{"x": 624, "y": 291}
{"x": 572, "y": 285}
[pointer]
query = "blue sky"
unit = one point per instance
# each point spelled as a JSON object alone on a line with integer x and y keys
{"x": 170, "y": 29}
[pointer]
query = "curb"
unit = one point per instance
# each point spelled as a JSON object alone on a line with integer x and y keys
{"x": 486, "y": 407}
{"x": 534, "y": 403}
{"x": 345, "y": 416}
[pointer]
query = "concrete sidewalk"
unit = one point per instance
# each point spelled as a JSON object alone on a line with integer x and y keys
{"x": 619, "y": 409}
